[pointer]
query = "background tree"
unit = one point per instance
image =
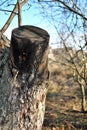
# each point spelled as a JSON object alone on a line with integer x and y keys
{"x": 19, "y": 13}
{"x": 69, "y": 18}
{"x": 13, "y": 12}
{"x": 77, "y": 59}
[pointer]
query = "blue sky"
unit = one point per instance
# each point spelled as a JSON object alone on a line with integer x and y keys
{"x": 29, "y": 17}
{"x": 33, "y": 16}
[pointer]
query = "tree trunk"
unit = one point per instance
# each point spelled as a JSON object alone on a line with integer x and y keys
{"x": 83, "y": 103}
{"x": 19, "y": 13}
{"x": 8, "y": 22}
{"x": 24, "y": 80}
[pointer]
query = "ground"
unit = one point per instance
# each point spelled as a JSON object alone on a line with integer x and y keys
{"x": 63, "y": 104}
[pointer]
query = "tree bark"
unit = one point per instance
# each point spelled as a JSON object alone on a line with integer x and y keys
{"x": 24, "y": 80}
{"x": 83, "y": 103}
{"x": 19, "y": 13}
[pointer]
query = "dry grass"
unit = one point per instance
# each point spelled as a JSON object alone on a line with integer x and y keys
{"x": 63, "y": 103}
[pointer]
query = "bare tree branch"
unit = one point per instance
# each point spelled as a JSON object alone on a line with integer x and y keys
{"x": 19, "y": 13}
{"x": 12, "y": 16}
{"x": 8, "y": 11}
{"x": 72, "y": 9}
{"x": 3, "y": 2}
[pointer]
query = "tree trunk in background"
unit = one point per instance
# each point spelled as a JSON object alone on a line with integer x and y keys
{"x": 8, "y": 22}
{"x": 83, "y": 103}
{"x": 24, "y": 80}
{"x": 19, "y": 13}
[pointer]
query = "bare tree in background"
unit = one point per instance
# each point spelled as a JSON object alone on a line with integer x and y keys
{"x": 69, "y": 18}
{"x": 17, "y": 7}
{"x": 19, "y": 13}
{"x": 77, "y": 59}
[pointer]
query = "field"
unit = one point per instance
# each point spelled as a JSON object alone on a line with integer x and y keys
{"x": 63, "y": 103}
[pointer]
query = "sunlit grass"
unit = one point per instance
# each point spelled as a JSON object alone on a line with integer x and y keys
{"x": 63, "y": 104}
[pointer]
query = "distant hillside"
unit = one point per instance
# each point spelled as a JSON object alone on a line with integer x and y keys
{"x": 60, "y": 54}
{"x": 60, "y": 69}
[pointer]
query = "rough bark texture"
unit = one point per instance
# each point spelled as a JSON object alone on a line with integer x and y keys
{"x": 24, "y": 80}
